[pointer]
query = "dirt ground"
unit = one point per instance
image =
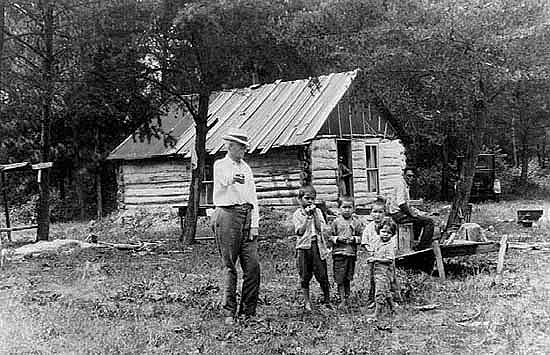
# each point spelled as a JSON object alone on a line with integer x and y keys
{"x": 166, "y": 300}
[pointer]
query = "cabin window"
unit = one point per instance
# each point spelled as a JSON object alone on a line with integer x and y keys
{"x": 372, "y": 168}
{"x": 207, "y": 190}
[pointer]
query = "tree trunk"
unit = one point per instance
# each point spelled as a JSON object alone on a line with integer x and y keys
{"x": 78, "y": 184}
{"x": 201, "y": 128}
{"x": 466, "y": 177}
{"x": 524, "y": 160}
{"x": 97, "y": 163}
{"x": 2, "y": 25}
{"x": 47, "y": 72}
{"x": 78, "y": 172}
{"x": 445, "y": 170}
{"x": 541, "y": 151}
{"x": 99, "y": 197}
{"x": 514, "y": 144}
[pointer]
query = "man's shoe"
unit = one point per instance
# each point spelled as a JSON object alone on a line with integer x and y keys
{"x": 229, "y": 321}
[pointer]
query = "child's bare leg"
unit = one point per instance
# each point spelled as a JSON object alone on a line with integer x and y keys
{"x": 341, "y": 292}
{"x": 307, "y": 301}
{"x": 378, "y": 310}
{"x": 372, "y": 287}
{"x": 325, "y": 287}
{"x": 347, "y": 288}
{"x": 391, "y": 303}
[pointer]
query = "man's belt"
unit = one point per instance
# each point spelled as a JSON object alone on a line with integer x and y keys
{"x": 242, "y": 207}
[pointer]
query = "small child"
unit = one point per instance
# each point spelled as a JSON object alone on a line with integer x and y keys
{"x": 382, "y": 260}
{"x": 370, "y": 239}
{"x": 311, "y": 246}
{"x": 346, "y": 235}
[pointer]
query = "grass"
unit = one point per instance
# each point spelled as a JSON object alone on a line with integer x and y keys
{"x": 165, "y": 302}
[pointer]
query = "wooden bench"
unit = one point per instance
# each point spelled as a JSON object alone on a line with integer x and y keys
{"x": 182, "y": 212}
{"x": 4, "y": 169}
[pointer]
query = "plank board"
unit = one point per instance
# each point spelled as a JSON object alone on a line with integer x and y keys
{"x": 447, "y": 251}
{"x": 151, "y": 167}
{"x": 162, "y": 177}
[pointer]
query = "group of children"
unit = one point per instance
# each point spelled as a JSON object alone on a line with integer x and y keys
{"x": 347, "y": 234}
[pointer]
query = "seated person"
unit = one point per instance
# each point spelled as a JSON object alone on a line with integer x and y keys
{"x": 401, "y": 212}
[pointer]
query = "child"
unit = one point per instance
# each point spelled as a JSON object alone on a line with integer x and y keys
{"x": 311, "y": 246}
{"x": 346, "y": 235}
{"x": 370, "y": 239}
{"x": 382, "y": 260}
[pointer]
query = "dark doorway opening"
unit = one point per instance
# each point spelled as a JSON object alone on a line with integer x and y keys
{"x": 345, "y": 168}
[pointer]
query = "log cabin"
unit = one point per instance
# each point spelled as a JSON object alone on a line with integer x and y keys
{"x": 301, "y": 132}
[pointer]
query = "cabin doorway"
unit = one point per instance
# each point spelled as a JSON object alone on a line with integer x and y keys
{"x": 345, "y": 168}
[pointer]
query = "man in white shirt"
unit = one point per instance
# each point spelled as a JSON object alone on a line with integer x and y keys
{"x": 401, "y": 212}
{"x": 236, "y": 225}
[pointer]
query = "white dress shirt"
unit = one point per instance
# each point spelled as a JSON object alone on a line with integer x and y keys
{"x": 227, "y": 192}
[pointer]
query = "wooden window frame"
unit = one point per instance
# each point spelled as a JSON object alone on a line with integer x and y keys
{"x": 369, "y": 148}
{"x": 207, "y": 186}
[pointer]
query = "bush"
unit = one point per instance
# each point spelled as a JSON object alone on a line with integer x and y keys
{"x": 428, "y": 184}
{"x": 275, "y": 223}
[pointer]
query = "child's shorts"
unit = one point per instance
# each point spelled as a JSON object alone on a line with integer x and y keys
{"x": 343, "y": 267}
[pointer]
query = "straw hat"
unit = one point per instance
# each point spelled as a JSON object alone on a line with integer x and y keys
{"x": 238, "y": 135}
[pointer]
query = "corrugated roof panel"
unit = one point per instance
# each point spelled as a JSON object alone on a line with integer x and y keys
{"x": 249, "y": 121}
{"x": 303, "y": 101}
{"x": 336, "y": 90}
{"x": 173, "y": 123}
{"x": 217, "y": 105}
{"x": 278, "y": 114}
{"x": 236, "y": 98}
{"x": 272, "y": 130}
{"x": 316, "y": 96}
{"x": 276, "y": 111}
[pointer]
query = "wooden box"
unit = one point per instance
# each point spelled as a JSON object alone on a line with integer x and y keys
{"x": 527, "y": 217}
{"x": 405, "y": 237}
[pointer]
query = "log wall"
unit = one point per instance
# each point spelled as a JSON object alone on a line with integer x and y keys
{"x": 154, "y": 182}
{"x": 392, "y": 162}
{"x": 278, "y": 175}
{"x": 324, "y": 170}
{"x": 359, "y": 165}
{"x": 164, "y": 183}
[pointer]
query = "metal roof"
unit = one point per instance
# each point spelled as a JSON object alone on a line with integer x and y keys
{"x": 174, "y": 123}
{"x": 283, "y": 113}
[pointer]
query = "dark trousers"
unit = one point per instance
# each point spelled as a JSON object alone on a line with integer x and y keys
{"x": 309, "y": 263}
{"x": 419, "y": 223}
{"x": 343, "y": 267}
{"x": 232, "y": 230}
